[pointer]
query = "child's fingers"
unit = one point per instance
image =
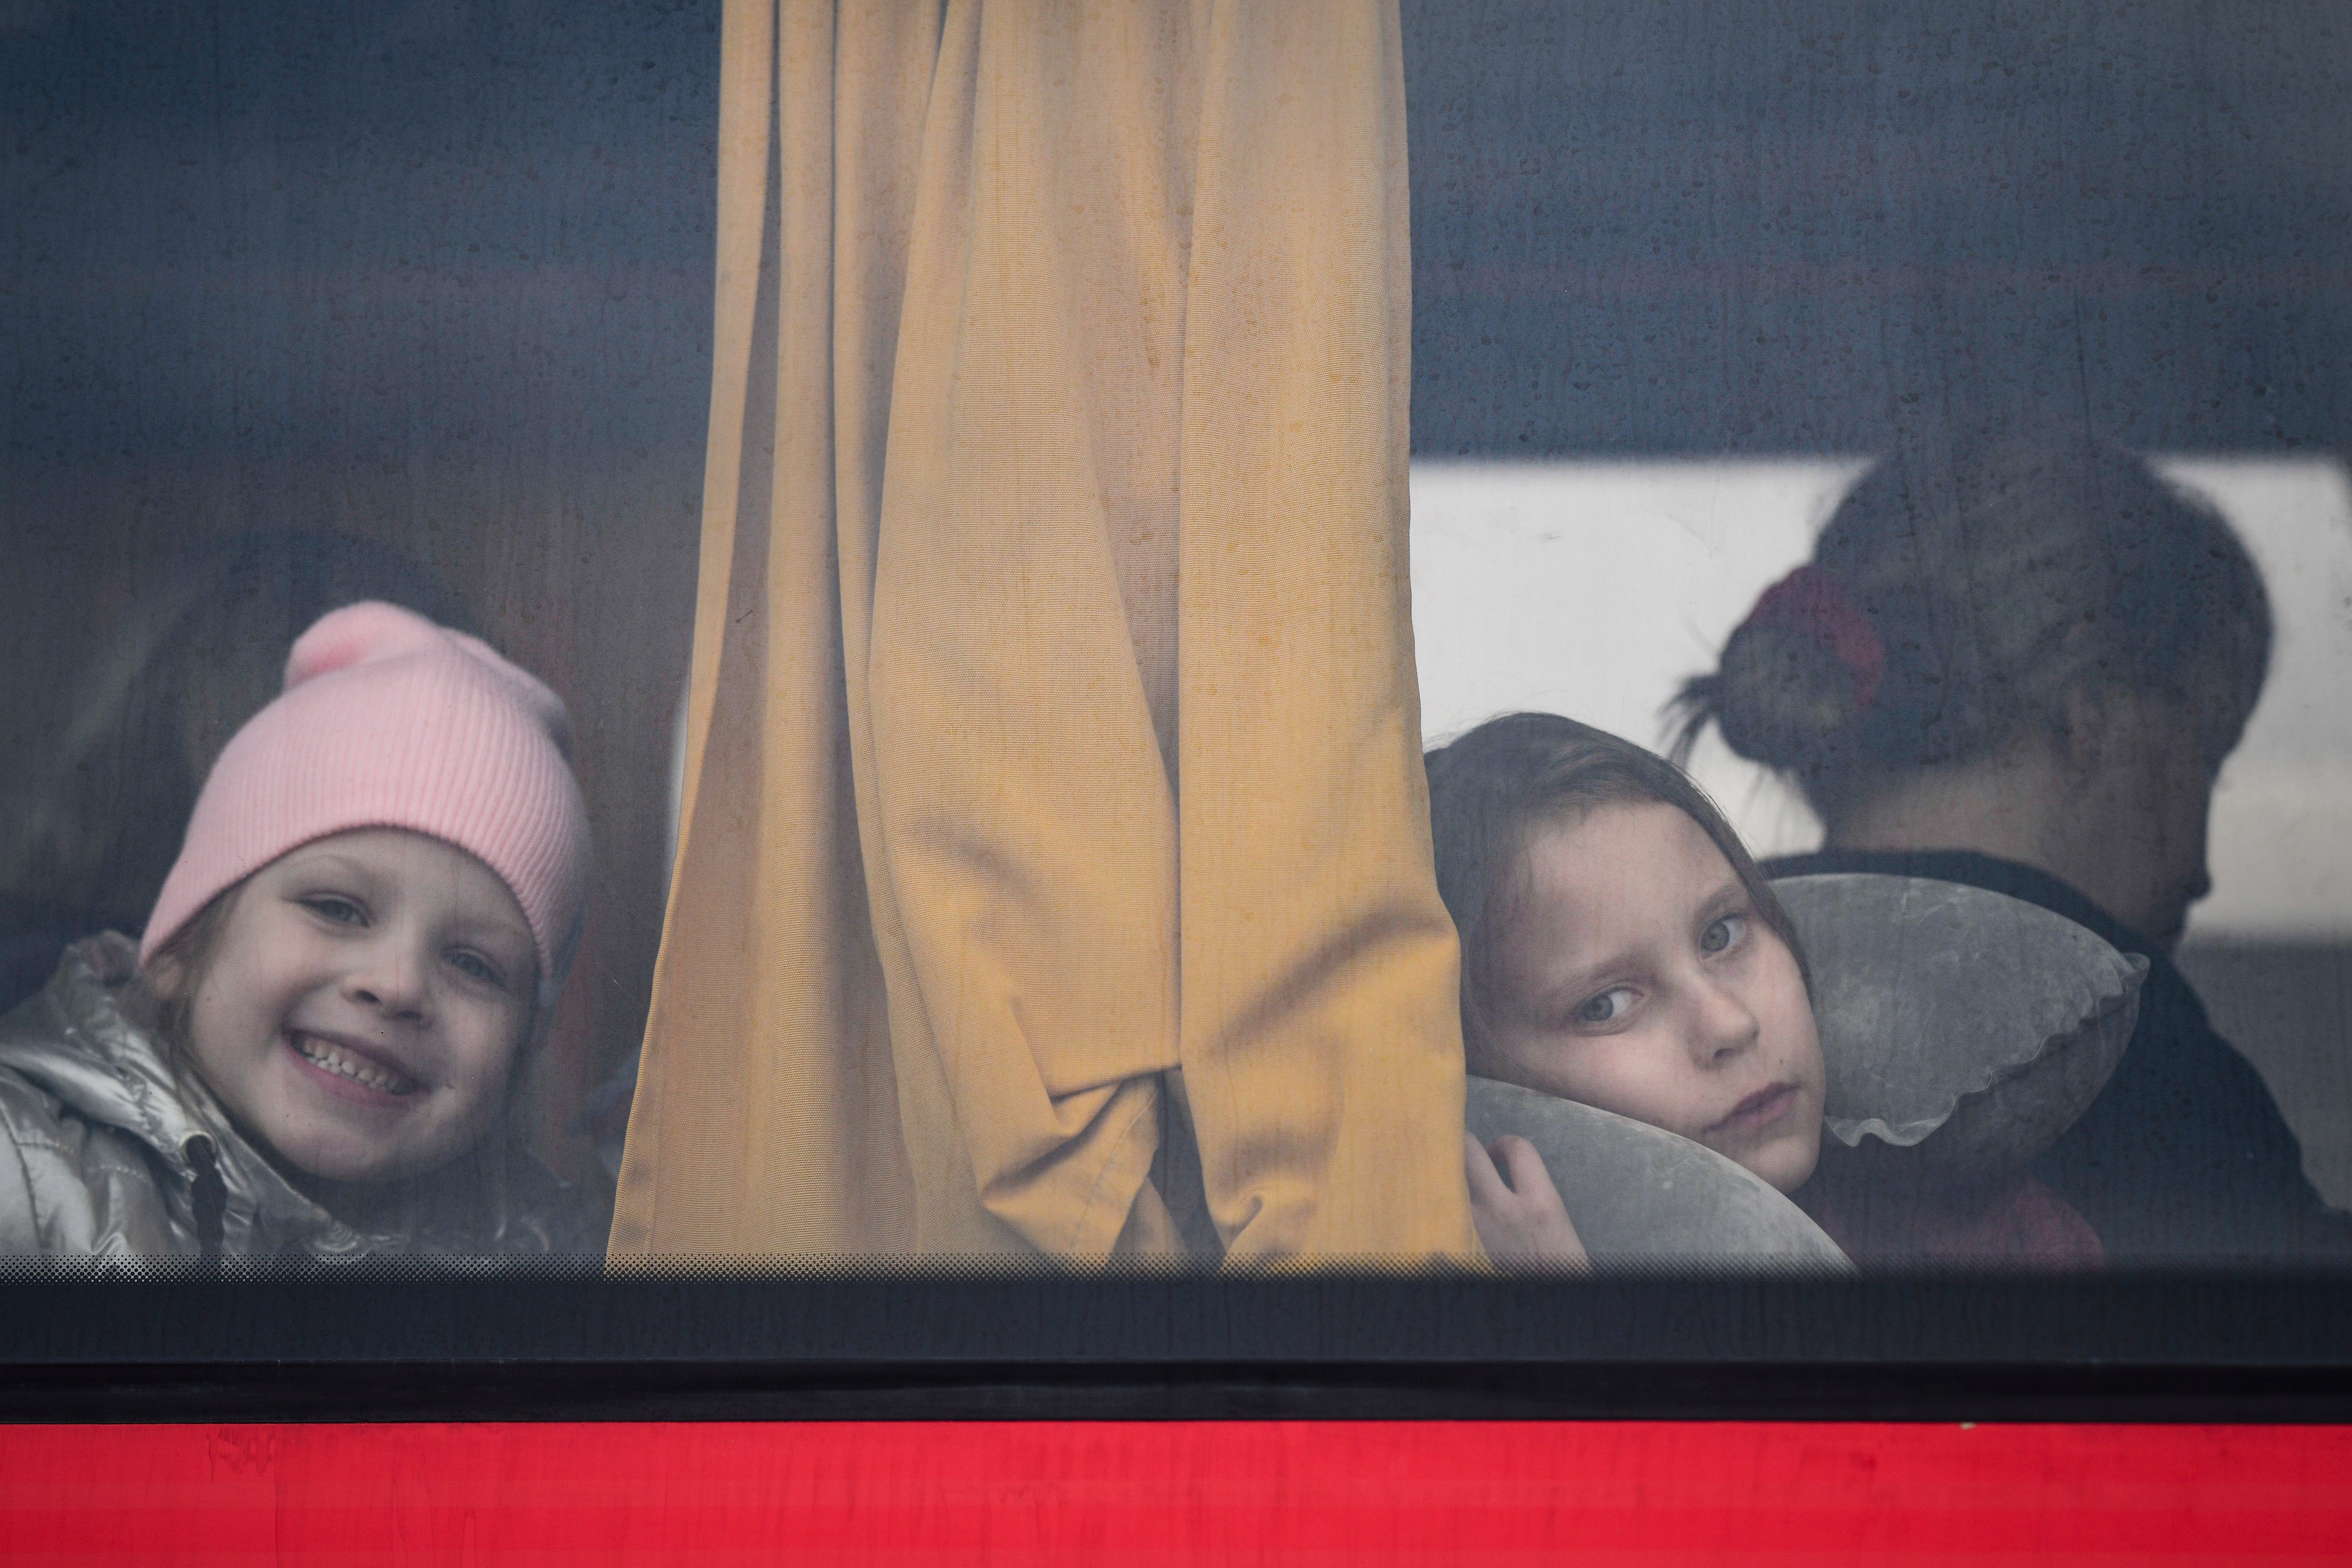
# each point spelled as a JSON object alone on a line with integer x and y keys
{"x": 1486, "y": 1182}
{"x": 1522, "y": 1167}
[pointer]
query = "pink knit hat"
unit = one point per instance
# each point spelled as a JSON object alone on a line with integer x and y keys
{"x": 388, "y": 720}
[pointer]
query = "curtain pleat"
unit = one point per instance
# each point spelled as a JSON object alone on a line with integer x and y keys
{"x": 1054, "y": 873}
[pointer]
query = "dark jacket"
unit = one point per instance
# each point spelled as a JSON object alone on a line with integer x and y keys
{"x": 2183, "y": 1159}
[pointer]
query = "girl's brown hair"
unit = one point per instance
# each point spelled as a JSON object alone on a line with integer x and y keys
{"x": 1489, "y": 789}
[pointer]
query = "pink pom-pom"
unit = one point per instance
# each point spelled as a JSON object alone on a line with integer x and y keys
{"x": 361, "y": 633}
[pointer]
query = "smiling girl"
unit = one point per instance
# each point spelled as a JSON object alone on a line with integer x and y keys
{"x": 309, "y": 1053}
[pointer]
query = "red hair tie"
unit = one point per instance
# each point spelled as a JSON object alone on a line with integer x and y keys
{"x": 1812, "y": 601}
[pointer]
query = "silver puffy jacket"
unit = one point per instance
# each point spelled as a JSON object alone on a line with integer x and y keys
{"x": 108, "y": 1155}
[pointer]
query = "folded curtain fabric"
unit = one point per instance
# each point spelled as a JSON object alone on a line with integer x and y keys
{"x": 1053, "y": 873}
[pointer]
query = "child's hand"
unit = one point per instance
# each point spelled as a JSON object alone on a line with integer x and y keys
{"x": 1520, "y": 1219}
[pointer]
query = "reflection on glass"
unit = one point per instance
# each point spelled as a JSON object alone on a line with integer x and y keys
{"x": 1037, "y": 863}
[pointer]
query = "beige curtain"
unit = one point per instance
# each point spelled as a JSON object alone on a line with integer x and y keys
{"x": 1054, "y": 872}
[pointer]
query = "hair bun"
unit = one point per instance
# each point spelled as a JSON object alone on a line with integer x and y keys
{"x": 1780, "y": 697}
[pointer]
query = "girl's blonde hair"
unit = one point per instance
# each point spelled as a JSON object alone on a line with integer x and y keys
{"x": 163, "y": 1012}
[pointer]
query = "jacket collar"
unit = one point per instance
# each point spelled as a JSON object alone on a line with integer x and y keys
{"x": 74, "y": 1040}
{"x": 80, "y": 1045}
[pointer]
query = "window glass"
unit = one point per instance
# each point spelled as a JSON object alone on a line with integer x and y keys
{"x": 417, "y": 304}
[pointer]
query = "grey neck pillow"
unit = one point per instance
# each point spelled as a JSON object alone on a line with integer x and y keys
{"x": 1964, "y": 1027}
{"x": 1643, "y": 1198}
{"x": 1962, "y": 1032}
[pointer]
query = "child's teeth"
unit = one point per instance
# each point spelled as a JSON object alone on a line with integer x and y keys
{"x": 358, "y": 1071}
